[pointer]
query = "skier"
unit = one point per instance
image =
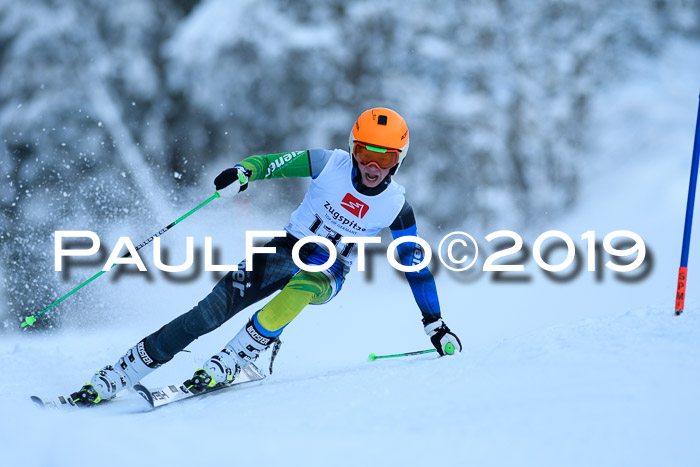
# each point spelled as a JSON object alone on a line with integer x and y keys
{"x": 349, "y": 195}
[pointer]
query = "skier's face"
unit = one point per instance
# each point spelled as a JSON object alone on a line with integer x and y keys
{"x": 372, "y": 175}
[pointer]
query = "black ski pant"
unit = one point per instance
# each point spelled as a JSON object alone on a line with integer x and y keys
{"x": 234, "y": 292}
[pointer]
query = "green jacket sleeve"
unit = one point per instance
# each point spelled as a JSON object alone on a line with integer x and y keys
{"x": 284, "y": 165}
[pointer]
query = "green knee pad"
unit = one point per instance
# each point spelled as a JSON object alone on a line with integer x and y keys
{"x": 304, "y": 288}
{"x": 315, "y": 283}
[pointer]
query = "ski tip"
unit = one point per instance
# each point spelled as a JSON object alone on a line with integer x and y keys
{"x": 372, "y": 357}
{"x": 37, "y": 400}
{"x": 145, "y": 393}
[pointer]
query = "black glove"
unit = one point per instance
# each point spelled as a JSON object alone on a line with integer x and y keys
{"x": 232, "y": 181}
{"x": 440, "y": 335}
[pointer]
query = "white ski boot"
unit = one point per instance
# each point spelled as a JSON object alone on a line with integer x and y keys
{"x": 223, "y": 367}
{"x": 107, "y": 382}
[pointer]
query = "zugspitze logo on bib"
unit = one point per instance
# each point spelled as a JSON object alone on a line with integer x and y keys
{"x": 354, "y": 205}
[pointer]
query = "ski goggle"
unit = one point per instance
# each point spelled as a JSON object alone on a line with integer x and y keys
{"x": 382, "y": 157}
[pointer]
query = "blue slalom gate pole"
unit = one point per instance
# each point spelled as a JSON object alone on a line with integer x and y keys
{"x": 683, "y": 270}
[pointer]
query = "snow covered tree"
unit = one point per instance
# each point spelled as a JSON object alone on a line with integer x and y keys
{"x": 80, "y": 100}
{"x": 112, "y": 108}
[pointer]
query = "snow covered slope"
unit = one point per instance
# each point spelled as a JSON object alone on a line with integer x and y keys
{"x": 614, "y": 391}
{"x": 578, "y": 374}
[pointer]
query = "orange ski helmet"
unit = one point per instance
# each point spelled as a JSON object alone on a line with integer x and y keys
{"x": 379, "y": 136}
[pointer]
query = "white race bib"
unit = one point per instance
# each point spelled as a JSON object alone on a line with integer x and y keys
{"x": 333, "y": 208}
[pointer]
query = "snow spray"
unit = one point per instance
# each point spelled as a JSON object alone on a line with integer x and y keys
{"x": 29, "y": 320}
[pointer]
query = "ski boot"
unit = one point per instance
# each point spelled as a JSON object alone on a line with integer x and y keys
{"x": 221, "y": 369}
{"x": 107, "y": 382}
{"x": 224, "y": 367}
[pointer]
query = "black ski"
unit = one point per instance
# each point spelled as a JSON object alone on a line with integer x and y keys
{"x": 159, "y": 397}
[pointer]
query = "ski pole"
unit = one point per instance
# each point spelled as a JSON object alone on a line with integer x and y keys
{"x": 449, "y": 350}
{"x": 683, "y": 269}
{"x": 29, "y": 320}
